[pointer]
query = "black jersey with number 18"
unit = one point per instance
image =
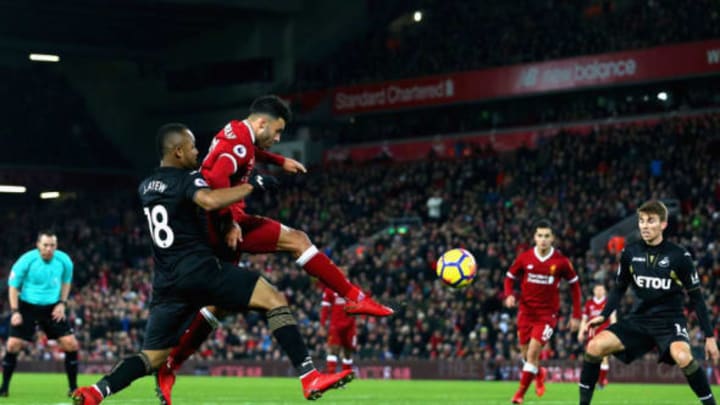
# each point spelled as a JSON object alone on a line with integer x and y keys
{"x": 178, "y": 227}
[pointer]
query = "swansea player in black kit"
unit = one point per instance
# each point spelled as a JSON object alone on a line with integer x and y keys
{"x": 659, "y": 272}
{"x": 188, "y": 276}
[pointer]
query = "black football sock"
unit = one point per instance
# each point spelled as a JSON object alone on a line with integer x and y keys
{"x": 588, "y": 377}
{"x": 283, "y": 326}
{"x": 8, "y": 364}
{"x": 699, "y": 383}
{"x": 71, "y": 368}
{"x": 124, "y": 373}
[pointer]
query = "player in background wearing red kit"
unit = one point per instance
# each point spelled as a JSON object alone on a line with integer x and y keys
{"x": 230, "y": 162}
{"x": 342, "y": 331}
{"x": 539, "y": 271}
{"x": 593, "y": 308}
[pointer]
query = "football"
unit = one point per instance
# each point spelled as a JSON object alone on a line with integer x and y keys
{"x": 456, "y": 268}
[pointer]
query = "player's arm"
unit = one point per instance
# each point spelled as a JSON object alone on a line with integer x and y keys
{"x": 211, "y": 200}
{"x": 622, "y": 282}
{"x": 326, "y": 305}
{"x": 218, "y": 176}
{"x": 691, "y": 281}
{"x": 512, "y": 275}
{"x": 18, "y": 272}
{"x": 582, "y": 328}
{"x": 265, "y": 156}
{"x": 576, "y": 295}
{"x": 288, "y": 164}
{"x": 613, "y": 317}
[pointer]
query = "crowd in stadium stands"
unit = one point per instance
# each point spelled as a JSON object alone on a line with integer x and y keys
{"x": 465, "y": 35}
{"x": 39, "y": 107}
{"x": 581, "y": 183}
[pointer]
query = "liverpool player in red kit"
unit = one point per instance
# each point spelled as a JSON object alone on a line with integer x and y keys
{"x": 539, "y": 271}
{"x": 230, "y": 162}
{"x": 593, "y": 308}
{"x": 342, "y": 332}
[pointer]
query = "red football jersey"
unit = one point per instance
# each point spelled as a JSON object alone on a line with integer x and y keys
{"x": 333, "y": 307}
{"x": 539, "y": 282}
{"x": 592, "y": 309}
{"x": 235, "y": 144}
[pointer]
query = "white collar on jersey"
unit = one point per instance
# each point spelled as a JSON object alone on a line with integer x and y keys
{"x": 252, "y": 133}
{"x": 541, "y": 258}
{"x": 597, "y": 301}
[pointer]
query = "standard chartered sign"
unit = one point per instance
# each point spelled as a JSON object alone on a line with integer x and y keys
{"x": 395, "y": 94}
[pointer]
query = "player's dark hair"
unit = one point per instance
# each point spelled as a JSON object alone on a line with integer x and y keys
{"x": 273, "y": 106}
{"x": 654, "y": 207}
{"x": 162, "y": 141}
{"x": 46, "y": 232}
{"x": 542, "y": 223}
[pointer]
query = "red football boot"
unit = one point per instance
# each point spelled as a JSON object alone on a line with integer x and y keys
{"x": 316, "y": 383}
{"x": 164, "y": 381}
{"x": 86, "y": 396}
{"x": 367, "y": 306}
{"x": 540, "y": 382}
{"x": 517, "y": 398}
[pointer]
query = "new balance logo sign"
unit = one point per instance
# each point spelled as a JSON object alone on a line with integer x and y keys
{"x": 713, "y": 56}
{"x": 652, "y": 282}
{"x": 259, "y": 181}
{"x": 529, "y": 77}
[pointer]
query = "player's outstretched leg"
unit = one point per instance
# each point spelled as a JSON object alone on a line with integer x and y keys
{"x": 200, "y": 328}
{"x": 283, "y": 326}
{"x": 588, "y": 377}
{"x": 319, "y": 265}
{"x": 122, "y": 375}
{"x": 694, "y": 373}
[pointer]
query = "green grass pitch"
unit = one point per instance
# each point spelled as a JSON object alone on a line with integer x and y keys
{"x": 49, "y": 389}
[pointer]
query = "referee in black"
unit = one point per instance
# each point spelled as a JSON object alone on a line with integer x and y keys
{"x": 660, "y": 272}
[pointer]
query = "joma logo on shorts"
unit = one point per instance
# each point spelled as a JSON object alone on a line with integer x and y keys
{"x": 652, "y": 282}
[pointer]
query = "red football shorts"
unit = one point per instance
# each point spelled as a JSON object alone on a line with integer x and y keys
{"x": 343, "y": 335}
{"x": 592, "y": 333}
{"x": 260, "y": 234}
{"x": 538, "y": 328}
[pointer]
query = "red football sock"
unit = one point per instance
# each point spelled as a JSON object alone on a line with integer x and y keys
{"x": 317, "y": 264}
{"x": 194, "y": 336}
{"x": 525, "y": 379}
{"x": 603, "y": 375}
{"x": 347, "y": 364}
{"x": 331, "y": 363}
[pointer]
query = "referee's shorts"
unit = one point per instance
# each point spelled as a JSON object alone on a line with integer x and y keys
{"x": 39, "y": 315}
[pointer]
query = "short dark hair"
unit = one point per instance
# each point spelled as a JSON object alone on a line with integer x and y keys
{"x": 542, "y": 223}
{"x": 273, "y": 106}
{"x": 654, "y": 207}
{"x": 162, "y": 141}
{"x": 46, "y": 232}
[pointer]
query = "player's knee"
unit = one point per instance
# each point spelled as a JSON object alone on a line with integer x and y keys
{"x": 69, "y": 344}
{"x": 300, "y": 241}
{"x": 595, "y": 348}
{"x": 14, "y": 345}
{"x": 681, "y": 355}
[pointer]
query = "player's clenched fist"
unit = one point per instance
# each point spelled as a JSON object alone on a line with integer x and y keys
{"x": 510, "y": 301}
{"x": 264, "y": 182}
